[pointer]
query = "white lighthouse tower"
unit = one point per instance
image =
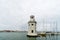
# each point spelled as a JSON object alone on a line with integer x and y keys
{"x": 32, "y": 26}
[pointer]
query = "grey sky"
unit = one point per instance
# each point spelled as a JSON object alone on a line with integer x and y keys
{"x": 14, "y": 14}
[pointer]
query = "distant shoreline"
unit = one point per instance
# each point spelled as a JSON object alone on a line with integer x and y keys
{"x": 26, "y": 31}
{"x": 11, "y": 31}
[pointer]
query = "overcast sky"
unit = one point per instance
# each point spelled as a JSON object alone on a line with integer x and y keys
{"x": 14, "y": 14}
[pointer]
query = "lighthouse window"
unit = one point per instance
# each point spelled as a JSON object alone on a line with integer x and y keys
{"x": 32, "y": 31}
{"x": 32, "y": 24}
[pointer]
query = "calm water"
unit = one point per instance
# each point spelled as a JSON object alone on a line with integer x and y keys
{"x": 22, "y": 36}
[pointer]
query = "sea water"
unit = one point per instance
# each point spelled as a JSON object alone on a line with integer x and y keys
{"x": 23, "y": 36}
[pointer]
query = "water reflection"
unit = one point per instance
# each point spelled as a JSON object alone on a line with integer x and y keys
{"x": 31, "y": 38}
{"x": 51, "y": 37}
{"x": 47, "y": 37}
{"x": 37, "y": 38}
{"x": 42, "y": 38}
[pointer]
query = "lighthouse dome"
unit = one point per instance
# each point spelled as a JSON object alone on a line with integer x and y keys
{"x": 32, "y": 16}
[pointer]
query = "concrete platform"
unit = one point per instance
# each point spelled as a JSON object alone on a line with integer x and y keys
{"x": 32, "y": 36}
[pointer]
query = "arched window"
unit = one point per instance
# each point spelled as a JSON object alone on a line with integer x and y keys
{"x": 32, "y": 24}
{"x": 32, "y": 31}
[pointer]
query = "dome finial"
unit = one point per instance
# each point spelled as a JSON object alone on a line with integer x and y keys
{"x": 32, "y": 16}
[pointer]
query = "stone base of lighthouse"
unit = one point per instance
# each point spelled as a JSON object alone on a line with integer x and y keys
{"x": 32, "y": 35}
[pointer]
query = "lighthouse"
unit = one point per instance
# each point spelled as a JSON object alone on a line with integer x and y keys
{"x": 32, "y": 26}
